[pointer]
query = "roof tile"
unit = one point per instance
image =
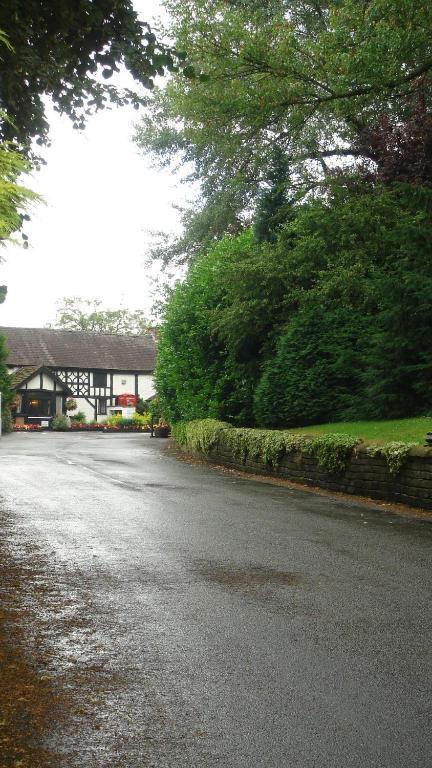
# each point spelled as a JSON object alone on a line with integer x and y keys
{"x": 79, "y": 349}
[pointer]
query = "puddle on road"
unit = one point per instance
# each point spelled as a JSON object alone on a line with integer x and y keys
{"x": 247, "y": 577}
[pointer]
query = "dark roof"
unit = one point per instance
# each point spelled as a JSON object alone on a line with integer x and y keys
{"x": 79, "y": 349}
{"x": 22, "y": 374}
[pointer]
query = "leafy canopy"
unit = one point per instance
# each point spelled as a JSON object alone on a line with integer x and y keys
{"x": 77, "y": 314}
{"x": 328, "y": 322}
{"x": 68, "y": 51}
{"x": 312, "y": 77}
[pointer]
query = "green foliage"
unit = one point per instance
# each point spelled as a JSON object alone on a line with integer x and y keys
{"x": 264, "y": 445}
{"x": 315, "y": 374}
{"x": 331, "y": 451}
{"x": 60, "y": 423}
{"x": 199, "y": 435}
{"x": 272, "y": 205}
{"x": 77, "y": 314}
{"x": 79, "y": 417}
{"x": 154, "y": 408}
{"x": 394, "y": 453}
{"x": 141, "y": 406}
{"x": 218, "y": 324}
{"x": 6, "y": 390}
{"x": 356, "y": 345}
{"x": 61, "y": 50}
{"x": 328, "y": 323}
{"x": 377, "y": 432}
{"x": 6, "y": 420}
{"x": 113, "y": 419}
{"x": 190, "y": 366}
{"x": 309, "y": 78}
{"x": 15, "y": 199}
{"x": 141, "y": 419}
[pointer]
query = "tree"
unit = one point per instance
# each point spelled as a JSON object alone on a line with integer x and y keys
{"x": 357, "y": 345}
{"x": 77, "y": 314}
{"x": 273, "y": 205}
{"x": 66, "y": 51}
{"x": 311, "y": 77}
{"x": 315, "y": 375}
{"x": 7, "y": 393}
{"x": 15, "y": 199}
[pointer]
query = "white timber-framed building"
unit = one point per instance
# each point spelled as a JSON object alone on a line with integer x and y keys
{"x": 50, "y": 366}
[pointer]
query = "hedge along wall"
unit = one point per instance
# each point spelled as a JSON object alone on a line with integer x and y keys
{"x": 399, "y": 472}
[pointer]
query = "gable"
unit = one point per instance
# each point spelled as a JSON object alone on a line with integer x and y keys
{"x": 29, "y": 377}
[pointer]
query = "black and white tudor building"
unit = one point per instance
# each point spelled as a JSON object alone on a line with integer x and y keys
{"x": 48, "y": 366}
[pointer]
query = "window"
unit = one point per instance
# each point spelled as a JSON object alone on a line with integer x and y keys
{"x": 37, "y": 406}
{"x": 102, "y": 406}
{"x": 99, "y": 379}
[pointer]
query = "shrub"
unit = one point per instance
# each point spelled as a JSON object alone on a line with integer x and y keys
{"x": 315, "y": 375}
{"x": 141, "y": 419}
{"x": 78, "y": 417}
{"x": 114, "y": 419}
{"x": 199, "y": 435}
{"x": 60, "y": 422}
{"x": 141, "y": 407}
{"x": 6, "y": 419}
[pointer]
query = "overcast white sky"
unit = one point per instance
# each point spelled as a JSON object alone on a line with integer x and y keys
{"x": 89, "y": 239}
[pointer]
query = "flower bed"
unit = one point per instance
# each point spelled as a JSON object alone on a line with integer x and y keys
{"x": 84, "y": 428}
{"x": 106, "y": 428}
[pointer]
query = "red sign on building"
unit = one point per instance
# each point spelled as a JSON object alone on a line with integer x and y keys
{"x": 126, "y": 400}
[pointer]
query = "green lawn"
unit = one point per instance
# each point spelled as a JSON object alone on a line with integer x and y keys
{"x": 405, "y": 430}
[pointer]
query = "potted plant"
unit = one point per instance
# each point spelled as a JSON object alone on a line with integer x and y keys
{"x": 162, "y": 429}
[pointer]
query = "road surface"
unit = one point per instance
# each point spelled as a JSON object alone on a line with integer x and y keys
{"x": 189, "y": 617}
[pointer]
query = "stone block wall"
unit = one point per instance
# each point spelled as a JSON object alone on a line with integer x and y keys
{"x": 365, "y": 475}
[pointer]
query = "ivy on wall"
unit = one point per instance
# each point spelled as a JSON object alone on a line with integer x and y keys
{"x": 332, "y": 451}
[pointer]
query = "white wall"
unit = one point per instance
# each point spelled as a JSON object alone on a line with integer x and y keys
{"x": 145, "y": 384}
{"x": 128, "y": 386}
{"x": 146, "y": 387}
{"x": 85, "y": 407}
{"x": 48, "y": 383}
{"x": 34, "y": 383}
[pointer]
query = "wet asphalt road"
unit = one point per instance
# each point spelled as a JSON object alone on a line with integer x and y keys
{"x": 194, "y": 618}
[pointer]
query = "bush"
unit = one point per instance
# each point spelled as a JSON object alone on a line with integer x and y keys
{"x": 114, "y": 419}
{"x": 315, "y": 376}
{"x": 141, "y": 407}
{"x": 6, "y": 418}
{"x": 79, "y": 417}
{"x": 199, "y": 435}
{"x": 141, "y": 419}
{"x": 60, "y": 422}
{"x": 332, "y": 319}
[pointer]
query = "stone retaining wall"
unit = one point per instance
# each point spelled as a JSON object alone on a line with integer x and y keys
{"x": 365, "y": 475}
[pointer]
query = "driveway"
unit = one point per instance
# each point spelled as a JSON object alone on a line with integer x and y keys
{"x": 174, "y": 615}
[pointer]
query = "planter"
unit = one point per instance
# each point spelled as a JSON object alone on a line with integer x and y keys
{"x": 161, "y": 431}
